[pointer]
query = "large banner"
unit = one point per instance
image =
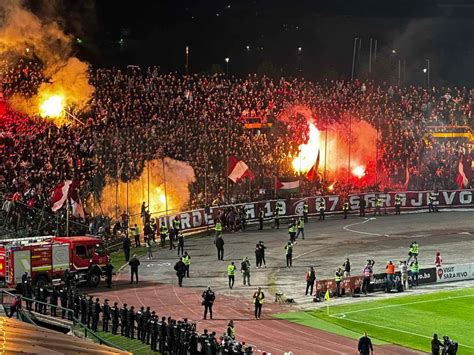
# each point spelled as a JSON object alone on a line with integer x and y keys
{"x": 294, "y": 206}
{"x": 455, "y": 273}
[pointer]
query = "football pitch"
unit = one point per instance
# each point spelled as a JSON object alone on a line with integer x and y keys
{"x": 408, "y": 321}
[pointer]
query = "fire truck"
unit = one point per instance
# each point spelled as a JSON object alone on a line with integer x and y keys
{"x": 47, "y": 259}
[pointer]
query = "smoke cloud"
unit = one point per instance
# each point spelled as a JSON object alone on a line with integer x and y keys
{"x": 66, "y": 75}
{"x": 176, "y": 174}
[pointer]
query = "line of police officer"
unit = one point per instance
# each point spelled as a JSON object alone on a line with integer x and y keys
{"x": 164, "y": 335}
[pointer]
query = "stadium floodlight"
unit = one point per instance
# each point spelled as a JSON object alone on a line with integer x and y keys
{"x": 425, "y": 70}
{"x": 227, "y": 59}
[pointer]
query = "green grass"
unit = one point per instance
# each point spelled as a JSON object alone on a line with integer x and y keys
{"x": 408, "y": 321}
{"x": 118, "y": 258}
{"x": 134, "y": 346}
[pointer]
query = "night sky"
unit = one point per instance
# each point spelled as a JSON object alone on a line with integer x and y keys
{"x": 308, "y": 38}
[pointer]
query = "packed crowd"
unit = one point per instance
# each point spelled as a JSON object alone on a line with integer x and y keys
{"x": 139, "y": 114}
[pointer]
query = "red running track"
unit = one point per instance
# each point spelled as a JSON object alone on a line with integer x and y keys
{"x": 268, "y": 334}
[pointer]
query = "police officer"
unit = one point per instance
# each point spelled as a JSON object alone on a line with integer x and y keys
{"x": 345, "y": 209}
{"x": 362, "y": 205}
{"x": 231, "y": 274}
{"x": 180, "y": 269}
{"x": 105, "y": 315}
{"x": 180, "y": 244}
{"x": 338, "y": 279}
{"x": 220, "y": 247}
{"x": 153, "y": 229}
{"x": 300, "y": 226}
{"x": 187, "y": 261}
{"x": 70, "y": 302}
{"x": 115, "y": 312}
{"x": 231, "y": 330}
{"x": 208, "y": 298}
{"x": 289, "y": 254}
{"x": 63, "y": 298}
{"x": 218, "y": 228}
{"x": 258, "y": 298}
{"x": 153, "y": 326}
{"x": 123, "y": 320}
{"x": 261, "y": 214}
{"x": 398, "y": 204}
{"x": 109, "y": 273}
{"x": 83, "y": 309}
{"x": 305, "y": 211}
{"x": 76, "y": 303}
{"x": 90, "y": 311}
{"x": 162, "y": 332}
{"x": 292, "y": 230}
{"x": 131, "y": 323}
{"x": 97, "y": 309}
{"x": 53, "y": 300}
{"x": 140, "y": 320}
{"x": 276, "y": 216}
{"x": 146, "y": 326}
{"x": 378, "y": 206}
{"x": 29, "y": 293}
{"x": 415, "y": 269}
{"x": 176, "y": 226}
{"x": 322, "y": 209}
{"x": 163, "y": 233}
{"x": 413, "y": 251}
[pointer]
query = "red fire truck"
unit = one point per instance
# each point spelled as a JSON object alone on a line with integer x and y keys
{"x": 46, "y": 259}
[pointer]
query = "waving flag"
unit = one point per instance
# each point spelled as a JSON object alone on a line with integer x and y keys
{"x": 287, "y": 186}
{"x": 464, "y": 172}
{"x": 64, "y": 191}
{"x": 237, "y": 170}
{"x": 313, "y": 172}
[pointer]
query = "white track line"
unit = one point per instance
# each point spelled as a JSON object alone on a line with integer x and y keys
{"x": 396, "y": 330}
{"x": 342, "y": 316}
{"x": 338, "y": 315}
{"x": 360, "y": 232}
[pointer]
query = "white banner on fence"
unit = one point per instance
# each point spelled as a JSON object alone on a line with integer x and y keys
{"x": 455, "y": 273}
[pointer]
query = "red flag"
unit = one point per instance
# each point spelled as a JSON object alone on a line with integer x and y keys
{"x": 64, "y": 191}
{"x": 313, "y": 172}
{"x": 464, "y": 172}
{"x": 60, "y": 195}
{"x": 237, "y": 170}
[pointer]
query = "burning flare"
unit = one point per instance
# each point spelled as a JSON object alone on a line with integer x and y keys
{"x": 308, "y": 153}
{"x": 359, "y": 171}
{"x": 52, "y": 106}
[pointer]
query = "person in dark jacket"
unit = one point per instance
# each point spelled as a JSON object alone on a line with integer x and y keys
{"x": 435, "y": 345}
{"x": 123, "y": 320}
{"x": 126, "y": 248}
{"x": 108, "y": 274}
{"x": 220, "y": 247}
{"x": 134, "y": 263}
{"x": 105, "y": 315}
{"x": 208, "y": 298}
{"x": 96, "y": 310}
{"x": 53, "y": 300}
{"x": 131, "y": 323}
{"x": 180, "y": 268}
{"x": 365, "y": 345}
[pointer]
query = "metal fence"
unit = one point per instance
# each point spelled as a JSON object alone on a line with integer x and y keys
{"x": 78, "y": 328}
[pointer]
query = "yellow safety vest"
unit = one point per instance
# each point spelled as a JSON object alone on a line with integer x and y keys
{"x": 260, "y": 298}
{"x": 230, "y": 270}
{"x": 218, "y": 227}
{"x": 186, "y": 260}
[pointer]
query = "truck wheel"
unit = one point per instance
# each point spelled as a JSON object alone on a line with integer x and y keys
{"x": 93, "y": 278}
